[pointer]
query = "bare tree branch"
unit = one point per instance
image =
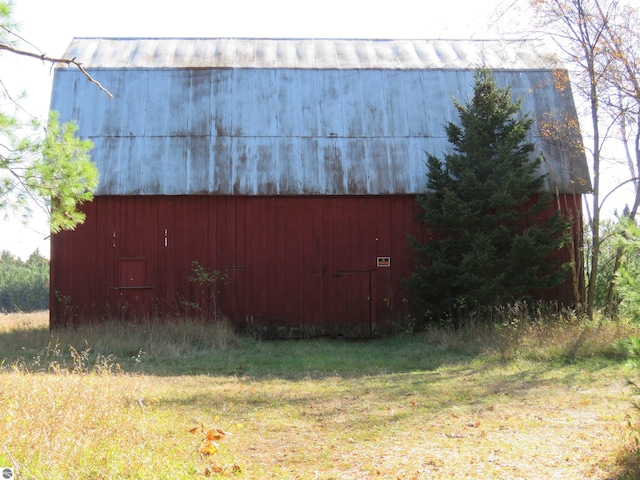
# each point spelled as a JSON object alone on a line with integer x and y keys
{"x": 66, "y": 61}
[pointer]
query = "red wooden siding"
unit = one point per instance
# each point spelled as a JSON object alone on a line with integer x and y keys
{"x": 296, "y": 265}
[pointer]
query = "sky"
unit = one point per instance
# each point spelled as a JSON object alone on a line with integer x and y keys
{"x": 50, "y": 25}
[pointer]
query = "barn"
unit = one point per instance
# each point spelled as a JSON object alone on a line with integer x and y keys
{"x": 287, "y": 167}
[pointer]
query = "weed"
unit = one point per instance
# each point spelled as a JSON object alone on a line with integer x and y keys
{"x": 208, "y": 448}
{"x": 209, "y": 282}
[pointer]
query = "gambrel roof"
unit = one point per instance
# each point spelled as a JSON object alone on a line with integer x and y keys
{"x": 297, "y": 116}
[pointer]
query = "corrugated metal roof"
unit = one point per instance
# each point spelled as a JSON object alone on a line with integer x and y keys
{"x": 190, "y": 116}
{"x": 308, "y": 53}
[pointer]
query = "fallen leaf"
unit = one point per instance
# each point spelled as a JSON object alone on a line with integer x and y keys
{"x": 208, "y": 449}
{"x": 211, "y": 469}
{"x": 215, "y": 434}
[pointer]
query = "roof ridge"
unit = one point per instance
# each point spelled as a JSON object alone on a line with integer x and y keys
{"x": 329, "y": 53}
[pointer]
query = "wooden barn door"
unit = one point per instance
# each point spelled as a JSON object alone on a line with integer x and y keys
{"x": 133, "y": 290}
{"x": 353, "y": 303}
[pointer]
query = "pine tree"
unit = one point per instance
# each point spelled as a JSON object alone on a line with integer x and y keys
{"x": 488, "y": 242}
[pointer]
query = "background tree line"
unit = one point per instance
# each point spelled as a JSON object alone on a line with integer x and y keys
{"x": 24, "y": 285}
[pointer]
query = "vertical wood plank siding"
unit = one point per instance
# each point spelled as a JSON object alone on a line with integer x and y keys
{"x": 296, "y": 265}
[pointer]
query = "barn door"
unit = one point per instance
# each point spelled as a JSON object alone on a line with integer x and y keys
{"x": 133, "y": 293}
{"x": 353, "y": 303}
{"x": 132, "y": 272}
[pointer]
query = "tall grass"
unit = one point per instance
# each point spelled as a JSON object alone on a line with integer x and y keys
{"x": 26, "y": 338}
{"x": 516, "y": 332}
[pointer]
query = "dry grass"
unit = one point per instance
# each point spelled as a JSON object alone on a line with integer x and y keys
{"x": 436, "y": 405}
{"x": 22, "y": 321}
{"x": 126, "y": 341}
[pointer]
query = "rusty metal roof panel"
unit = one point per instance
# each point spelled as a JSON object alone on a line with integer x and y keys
{"x": 265, "y": 121}
{"x": 307, "y": 53}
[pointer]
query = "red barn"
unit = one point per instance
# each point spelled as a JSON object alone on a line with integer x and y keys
{"x": 289, "y": 165}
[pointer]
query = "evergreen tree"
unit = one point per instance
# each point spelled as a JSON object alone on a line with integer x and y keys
{"x": 488, "y": 242}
